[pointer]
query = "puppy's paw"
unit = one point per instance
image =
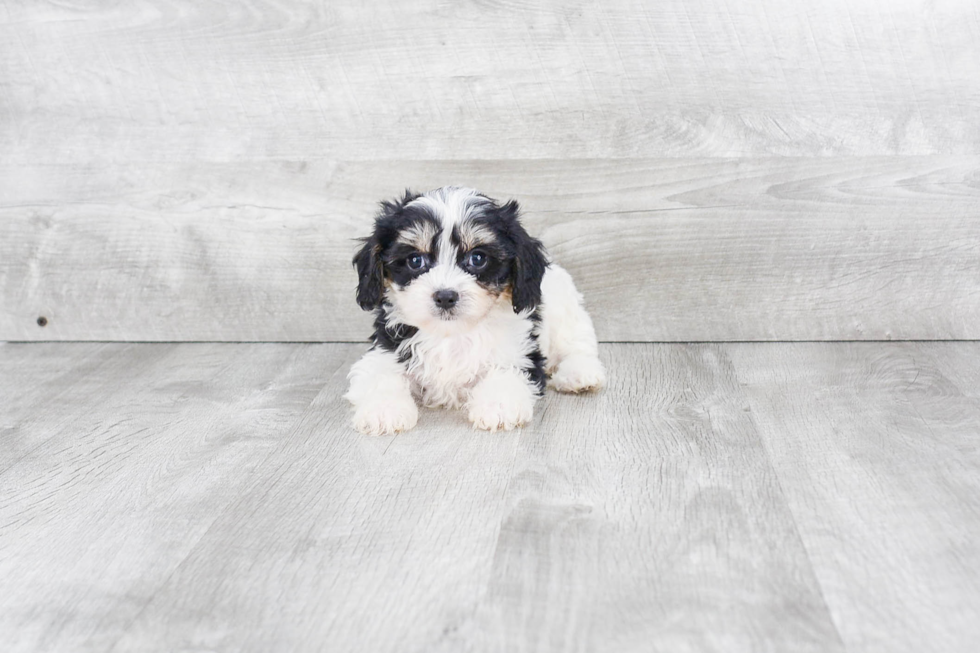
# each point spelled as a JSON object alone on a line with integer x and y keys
{"x": 503, "y": 400}
{"x": 384, "y": 418}
{"x": 493, "y": 415}
{"x": 579, "y": 373}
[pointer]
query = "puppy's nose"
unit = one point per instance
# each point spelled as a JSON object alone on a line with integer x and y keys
{"x": 445, "y": 298}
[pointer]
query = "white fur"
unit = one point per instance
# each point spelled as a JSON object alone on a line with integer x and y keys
{"x": 446, "y": 365}
{"x": 476, "y": 359}
{"x": 453, "y": 205}
{"x": 413, "y": 305}
{"x": 381, "y": 394}
{"x": 502, "y": 399}
{"x": 567, "y": 338}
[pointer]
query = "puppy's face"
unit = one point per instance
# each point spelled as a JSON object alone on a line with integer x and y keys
{"x": 443, "y": 259}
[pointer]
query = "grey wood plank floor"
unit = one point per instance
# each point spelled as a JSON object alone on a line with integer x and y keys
{"x": 808, "y": 496}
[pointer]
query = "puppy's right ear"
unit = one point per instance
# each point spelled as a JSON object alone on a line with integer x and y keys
{"x": 370, "y": 274}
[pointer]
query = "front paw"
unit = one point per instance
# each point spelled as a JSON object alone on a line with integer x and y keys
{"x": 383, "y": 418}
{"x": 496, "y": 415}
{"x": 579, "y": 373}
{"x": 491, "y": 413}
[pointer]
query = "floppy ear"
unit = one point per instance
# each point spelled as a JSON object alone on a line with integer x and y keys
{"x": 370, "y": 269}
{"x": 530, "y": 262}
{"x": 370, "y": 273}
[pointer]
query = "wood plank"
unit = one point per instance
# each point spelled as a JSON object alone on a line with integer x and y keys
{"x": 664, "y": 249}
{"x": 373, "y": 544}
{"x": 752, "y": 496}
{"x": 35, "y": 378}
{"x": 875, "y": 447}
{"x": 104, "y": 509}
{"x": 30, "y": 372}
{"x": 646, "y": 517}
{"x": 190, "y": 80}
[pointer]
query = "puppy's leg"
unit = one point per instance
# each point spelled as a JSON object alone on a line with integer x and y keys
{"x": 381, "y": 394}
{"x": 567, "y": 337}
{"x": 503, "y": 399}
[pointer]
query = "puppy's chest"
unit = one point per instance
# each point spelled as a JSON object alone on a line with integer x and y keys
{"x": 444, "y": 370}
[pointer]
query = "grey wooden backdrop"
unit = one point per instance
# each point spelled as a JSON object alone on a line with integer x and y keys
{"x": 707, "y": 169}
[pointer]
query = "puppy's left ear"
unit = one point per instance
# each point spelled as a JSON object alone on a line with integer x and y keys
{"x": 370, "y": 275}
{"x": 530, "y": 261}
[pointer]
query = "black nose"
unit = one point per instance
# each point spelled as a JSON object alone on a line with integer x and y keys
{"x": 445, "y": 299}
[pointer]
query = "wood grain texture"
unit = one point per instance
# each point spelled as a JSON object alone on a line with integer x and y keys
{"x": 29, "y": 374}
{"x": 875, "y": 447}
{"x": 648, "y": 518}
{"x": 815, "y": 496}
{"x": 33, "y": 382}
{"x": 179, "y": 170}
{"x": 663, "y": 249}
{"x": 221, "y": 502}
{"x": 108, "y": 503}
{"x": 183, "y": 80}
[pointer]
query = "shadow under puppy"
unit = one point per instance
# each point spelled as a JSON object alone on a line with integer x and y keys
{"x": 470, "y": 313}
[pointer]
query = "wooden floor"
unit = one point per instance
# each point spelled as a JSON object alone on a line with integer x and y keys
{"x": 739, "y": 497}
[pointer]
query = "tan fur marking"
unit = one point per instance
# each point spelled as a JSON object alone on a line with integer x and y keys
{"x": 420, "y": 236}
{"x": 473, "y": 235}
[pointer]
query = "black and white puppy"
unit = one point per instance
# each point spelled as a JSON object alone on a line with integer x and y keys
{"x": 470, "y": 313}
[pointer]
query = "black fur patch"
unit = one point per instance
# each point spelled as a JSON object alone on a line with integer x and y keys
{"x": 382, "y": 256}
{"x": 523, "y": 255}
{"x": 535, "y": 372}
{"x": 390, "y": 337}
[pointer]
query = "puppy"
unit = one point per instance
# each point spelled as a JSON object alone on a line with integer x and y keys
{"x": 469, "y": 313}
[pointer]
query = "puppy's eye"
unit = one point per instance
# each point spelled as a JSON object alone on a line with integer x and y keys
{"x": 416, "y": 262}
{"x": 476, "y": 260}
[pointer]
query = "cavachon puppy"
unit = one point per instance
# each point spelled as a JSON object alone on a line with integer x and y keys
{"x": 469, "y": 313}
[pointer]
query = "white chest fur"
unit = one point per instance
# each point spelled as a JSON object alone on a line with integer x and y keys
{"x": 444, "y": 367}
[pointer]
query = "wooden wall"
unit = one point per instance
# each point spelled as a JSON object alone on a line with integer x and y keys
{"x": 708, "y": 170}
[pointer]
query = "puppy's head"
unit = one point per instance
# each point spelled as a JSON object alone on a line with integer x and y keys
{"x": 444, "y": 258}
